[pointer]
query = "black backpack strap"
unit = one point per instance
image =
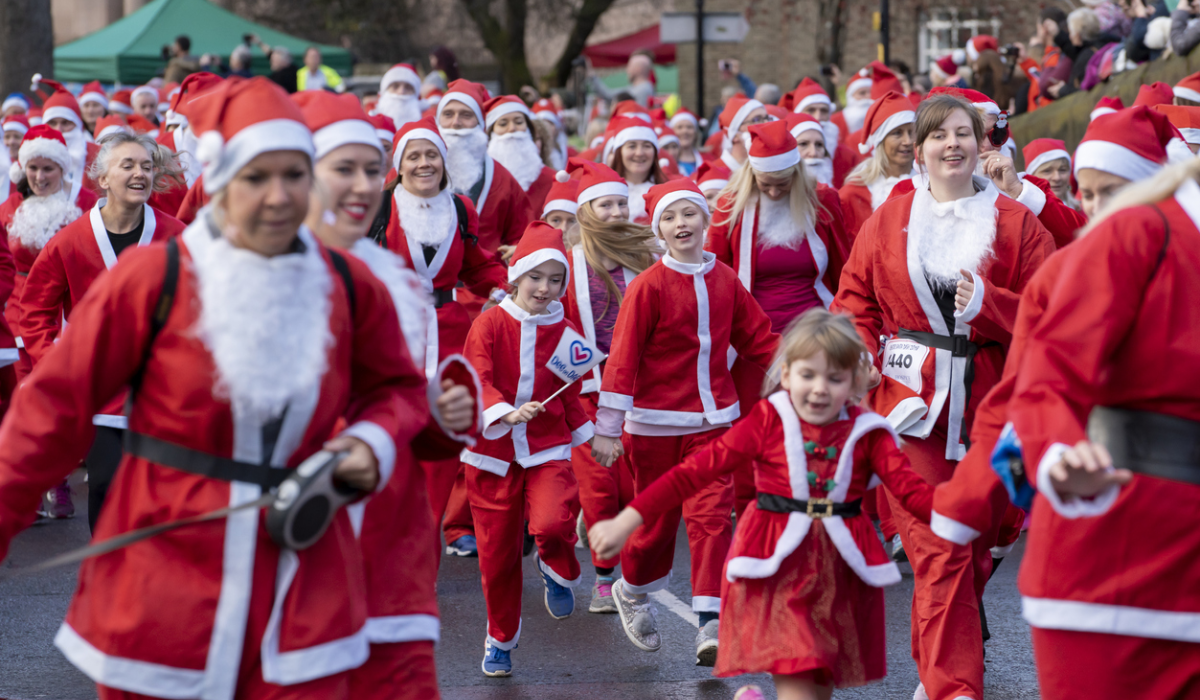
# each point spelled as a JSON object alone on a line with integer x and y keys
{"x": 343, "y": 270}
{"x": 463, "y": 233}
{"x": 162, "y": 310}
{"x": 378, "y": 231}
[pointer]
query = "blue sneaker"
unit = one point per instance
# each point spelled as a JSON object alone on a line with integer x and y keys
{"x": 497, "y": 662}
{"x": 560, "y": 600}
{"x": 464, "y": 546}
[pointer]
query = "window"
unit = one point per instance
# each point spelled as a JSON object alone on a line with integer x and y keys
{"x": 944, "y": 30}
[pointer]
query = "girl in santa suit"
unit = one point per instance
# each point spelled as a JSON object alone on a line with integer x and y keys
{"x": 942, "y": 269}
{"x": 803, "y": 591}
{"x": 128, "y": 169}
{"x": 510, "y": 141}
{"x": 687, "y": 128}
{"x": 220, "y": 415}
{"x": 560, "y": 209}
{"x": 609, "y": 254}
{"x": 667, "y": 381}
{"x": 711, "y": 177}
{"x": 426, "y": 228}
{"x": 522, "y": 466}
{"x": 888, "y": 138}
{"x": 632, "y": 146}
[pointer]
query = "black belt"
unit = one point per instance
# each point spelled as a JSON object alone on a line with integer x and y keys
{"x": 201, "y": 463}
{"x": 813, "y": 507}
{"x": 1149, "y": 443}
{"x": 441, "y": 297}
{"x": 959, "y": 346}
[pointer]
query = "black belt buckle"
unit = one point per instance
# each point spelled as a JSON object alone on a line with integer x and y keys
{"x": 825, "y": 502}
{"x": 960, "y": 346}
{"x": 441, "y": 297}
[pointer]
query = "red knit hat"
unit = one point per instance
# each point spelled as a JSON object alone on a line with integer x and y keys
{"x": 335, "y": 121}
{"x": 772, "y": 147}
{"x": 889, "y": 112}
{"x": 540, "y": 243}
{"x": 1154, "y": 94}
{"x": 947, "y": 65}
{"x": 93, "y": 92}
{"x": 978, "y": 44}
{"x": 662, "y": 196}
{"x": 563, "y": 196}
{"x": 17, "y": 122}
{"x": 1188, "y": 88}
{"x": 111, "y": 124}
{"x": 883, "y": 81}
{"x": 193, "y": 85}
{"x": 506, "y": 104}
{"x": 809, "y": 92}
{"x": 60, "y": 105}
{"x": 736, "y": 110}
{"x": 595, "y": 180}
{"x": 711, "y": 175}
{"x": 424, "y": 128}
{"x": 40, "y": 141}
{"x": 1131, "y": 143}
{"x": 799, "y": 123}
{"x": 240, "y": 119}
{"x": 385, "y": 128}
{"x": 121, "y": 102}
{"x": 473, "y": 95}
{"x": 1107, "y": 105}
{"x": 1038, "y": 152}
{"x": 1186, "y": 119}
{"x": 401, "y": 73}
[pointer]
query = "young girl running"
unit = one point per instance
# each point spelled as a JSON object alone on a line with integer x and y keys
{"x": 802, "y": 594}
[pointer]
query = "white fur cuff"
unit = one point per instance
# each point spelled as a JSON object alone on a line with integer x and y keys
{"x": 1032, "y": 197}
{"x": 380, "y": 443}
{"x": 1073, "y": 507}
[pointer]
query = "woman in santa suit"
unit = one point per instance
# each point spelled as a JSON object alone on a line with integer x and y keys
{"x": 687, "y": 128}
{"x": 942, "y": 270}
{"x": 888, "y": 138}
{"x": 220, "y": 415}
{"x": 128, "y": 169}
{"x": 632, "y": 146}
{"x": 510, "y": 142}
{"x": 177, "y": 136}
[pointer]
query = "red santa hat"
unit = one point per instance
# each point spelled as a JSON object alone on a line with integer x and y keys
{"x": 861, "y": 80}
{"x": 981, "y": 43}
{"x": 809, "y": 92}
{"x": 1038, "y": 152}
{"x": 193, "y": 85}
{"x": 1154, "y": 94}
{"x": 883, "y": 81}
{"x": 799, "y": 123}
{"x": 40, "y": 141}
{"x": 93, "y": 92}
{"x": 666, "y": 135}
{"x": 15, "y": 99}
{"x": 596, "y": 180}
{"x": 240, "y": 119}
{"x": 684, "y": 115}
{"x": 736, "y": 110}
{"x": 1186, "y": 119}
{"x": 141, "y": 125}
{"x": 546, "y": 110}
{"x": 946, "y": 65}
{"x": 506, "y": 104}
{"x": 61, "y": 104}
{"x": 111, "y": 124}
{"x": 1107, "y": 105}
{"x": 335, "y": 121}
{"x": 1188, "y": 88}
{"x": 18, "y": 123}
{"x": 772, "y": 147}
{"x": 563, "y": 196}
{"x": 662, "y": 196}
{"x": 540, "y": 243}
{"x": 401, "y": 73}
{"x": 121, "y": 102}
{"x": 385, "y": 128}
{"x": 629, "y": 108}
{"x": 1131, "y": 143}
{"x": 35, "y": 116}
{"x": 423, "y": 128}
{"x": 711, "y": 175}
{"x": 622, "y": 130}
{"x": 978, "y": 100}
{"x": 776, "y": 112}
{"x": 473, "y": 95}
{"x": 889, "y": 112}
{"x": 145, "y": 90}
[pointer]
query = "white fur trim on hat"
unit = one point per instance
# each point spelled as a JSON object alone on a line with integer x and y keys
{"x": 548, "y": 116}
{"x": 400, "y": 74}
{"x": 222, "y": 160}
{"x": 876, "y": 137}
{"x": 566, "y": 205}
{"x": 1114, "y": 158}
{"x": 1179, "y": 152}
{"x": 384, "y": 135}
{"x": 1191, "y": 136}
{"x": 735, "y": 124}
{"x": 987, "y": 107}
{"x": 667, "y": 138}
{"x": 712, "y": 185}
{"x": 119, "y": 107}
{"x": 603, "y": 189}
{"x": 93, "y": 97}
{"x": 1185, "y": 93}
{"x": 537, "y": 257}
{"x": 17, "y": 127}
{"x": 344, "y": 132}
{"x": 808, "y": 126}
{"x": 858, "y": 84}
{"x": 1047, "y": 157}
{"x": 50, "y": 149}
{"x": 13, "y": 101}
{"x": 506, "y": 108}
{"x": 815, "y": 98}
{"x": 683, "y": 117}
{"x": 416, "y": 135}
{"x": 632, "y": 133}
{"x": 1100, "y": 112}
{"x": 463, "y": 98}
{"x": 144, "y": 90}
{"x": 669, "y": 199}
{"x": 113, "y": 129}
{"x": 775, "y": 163}
{"x": 972, "y": 52}
{"x": 62, "y": 113}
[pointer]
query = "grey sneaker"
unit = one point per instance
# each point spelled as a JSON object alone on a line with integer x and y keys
{"x": 602, "y": 596}
{"x": 898, "y": 553}
{"x": 581, "y": 531}
{"x": 638, "y": 618}
{"x": 706, "y": 644}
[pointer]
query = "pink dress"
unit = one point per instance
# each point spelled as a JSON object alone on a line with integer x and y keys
{"x": 784, "y": 285}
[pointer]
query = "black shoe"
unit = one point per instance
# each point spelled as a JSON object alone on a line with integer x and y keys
{"x": 527, "y": 548}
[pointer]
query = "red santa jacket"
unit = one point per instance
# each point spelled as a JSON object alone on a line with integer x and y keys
{"x": 538, "y": 189}
{"x": 844, "y": 160}
{"x": 193, "y": 202}
{"x": 198, "y": 589}
{"x": 578, "y": 306}
{"x": 1128, "y": 342}
{"x": 859, "y": 201}
{"x": 504, "y": 208}
{"x": 510, "y": 349}
{"x": 772, "y": 439}
{"x": 60, "y": 276}
{"x": 8, "y": 273}
{"x": 668, "y": 363}
{"x": 884, "y": 287}
{"x": 172, "y": 199}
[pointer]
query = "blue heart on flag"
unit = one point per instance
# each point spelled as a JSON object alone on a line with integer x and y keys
{"x": 580, "y": 355}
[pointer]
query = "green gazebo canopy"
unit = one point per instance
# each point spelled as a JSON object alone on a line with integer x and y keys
{"x": 130, "y": 49}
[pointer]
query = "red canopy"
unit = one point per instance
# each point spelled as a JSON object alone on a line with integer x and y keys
{"x": 615, "y": 53}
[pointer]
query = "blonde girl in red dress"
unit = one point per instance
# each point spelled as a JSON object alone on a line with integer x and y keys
{"x": 802, "y": 596}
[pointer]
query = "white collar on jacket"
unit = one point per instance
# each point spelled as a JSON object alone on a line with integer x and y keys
{"x": 710, "y": 261}
{"x": 554, "y": 312}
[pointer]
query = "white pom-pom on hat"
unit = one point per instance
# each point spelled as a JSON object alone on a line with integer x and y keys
{"x": 209, "y": 146}
{"x": 959, "y": 56}
{"x": 664, "y": 162}
{"x": 562, "y": 176}
{"x": 37, "y": 80}
{"x": 703, "y": 123}
{"x": 15, "y": 172}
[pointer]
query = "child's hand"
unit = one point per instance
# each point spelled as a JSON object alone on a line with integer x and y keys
{"x": 606, "y": 450}
{"x": 524, "y": 414}
{"x": 607, "y": 537}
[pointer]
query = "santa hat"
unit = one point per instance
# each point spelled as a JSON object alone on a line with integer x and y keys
{"x": 683, "y": 115}
{"x": 546, "y": 110}
{"x": 504, "y": 105}
{"x": 401, "y": 73}
{"x": 978, "y": 100}
{"x": 93, "y": 92}
{"x": 424, "y": 128}
{"x": 889, "y": 112}
{"x": 946, "y": 65}
{"x": 662, "y": 196}
{"x": 666, "y": 135}
{"x": 883, "y": 81}
{"x": 192, "y": 86}
{"x": 111, "y": 124}
{"x": 16, "y": 99}
{"x": 711, "y": 175}
{"x": 240, "y": 119}
{"x": 1107, "y": 105}
{"x": 540, "y": 243}
{"x": 1154, "y": 94}
{"x": 776, "y": 112}
{"x": 622, "y": 130}
{"x": 861, "y": 80}
{"x": 145, "y": 90}
{"x": 736, "y": 110}
{"x": 772, "y": 147}
{"x": 40, "y": 141}
{"x": 17, "y": 122}
{"x": 335, "y": 121}
{"x": 981, "y": 43}
{"x": 61, "y": 104}
{"x": 121, "y": 102}
{"x": 1187, "y": 89}
{"x": 1131, "y": 143}
{"x": 563, "y": 196}
{"x": 141, "y": 125}
{"x": 799, "y": 123}
{"x": 385, "y": 128}
{"x": 629, "y": 108}
{"x": 1038, "y": 152}
{"x": 596, "y": 180}
{"x": 809, "y": 92}
{"x": 1186, "y": 119}
{"x": 35, "y": 116}
{"x": 473, "y": 95}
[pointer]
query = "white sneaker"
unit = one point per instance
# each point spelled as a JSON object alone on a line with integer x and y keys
{"x": 581, "y": 531}
{"x": 639, "y": 619}
{"x": 706, "y": 644}
{"x": 919, "y": 693}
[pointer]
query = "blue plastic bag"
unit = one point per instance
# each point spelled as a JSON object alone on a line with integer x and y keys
{"x": 1009, "y": 464}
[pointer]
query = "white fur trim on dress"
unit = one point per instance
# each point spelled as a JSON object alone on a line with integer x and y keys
{"x": 381, "y": 444}
{"x": 1080, "y": 616}
{"x": 404, "y": 628}
{"x": 951, "y": 530}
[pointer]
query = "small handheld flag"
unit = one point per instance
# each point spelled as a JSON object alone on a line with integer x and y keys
{"x": 573, "y": 358}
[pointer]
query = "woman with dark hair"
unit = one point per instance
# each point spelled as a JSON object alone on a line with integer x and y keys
{"x": 444, "y": 61}
{"x": 632, "y": 146}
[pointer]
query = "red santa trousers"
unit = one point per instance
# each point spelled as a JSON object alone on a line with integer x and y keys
{"x": 457, "y": 520}
{"x": 442, "y": 476}
{"x": 947, "y": 639}
{"x": 400, "y": 671}
{"x": 550, "y": 495}
{"x": 1087, "y": 665}
{"x": 650, "y": 551}
{"x": 603, "y": 491}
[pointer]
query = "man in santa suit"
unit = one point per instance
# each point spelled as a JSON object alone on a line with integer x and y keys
{"x": 61, "y": 111}
{"x": 176, "y": 136}
{"x": 849, "y": 119}
{"x": 811, "y": 99}
{"x": 545, "y": 110}
{"x": 735, "y": 120}
{"x": 399, "y": 95}
{"x": 221, "y": 415}
{"x": 510, "y": 142}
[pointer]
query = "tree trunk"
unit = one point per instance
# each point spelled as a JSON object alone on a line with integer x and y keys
{"x": 505, "y": 40}
{"x": 26, "y": 43}
{"x": 585, "y": 22}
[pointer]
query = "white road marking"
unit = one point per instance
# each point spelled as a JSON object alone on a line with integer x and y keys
{"x": 677, "y": 606}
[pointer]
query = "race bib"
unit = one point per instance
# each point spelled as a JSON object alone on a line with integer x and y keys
{"x": 903, "y": 360}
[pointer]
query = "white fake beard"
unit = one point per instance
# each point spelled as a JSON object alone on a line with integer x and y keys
{"x": 637, "y": 200}
{"x": 856, "y": 113}
{"x": 407, "y": 291}
{"x": 426, "y": 220}
{"x": 39, "y": 218}
{"x": 519, "y": 155}
{"x": 266, "y": 323}
{"x": 776, "y": 227}
{"x": 185, "y": 147}
{"x": 401, "y": 109}
{"x": 77, "y": 147}
{"x": 558, "y": 157}
{"x": 820, "y": 169}
{"x": 466, "y": 149}
{"x": 952, "y": 236}
{"x": 833, "y": 134}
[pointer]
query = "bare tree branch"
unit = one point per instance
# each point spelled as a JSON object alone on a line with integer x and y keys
{"x": 585, "y": 21}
